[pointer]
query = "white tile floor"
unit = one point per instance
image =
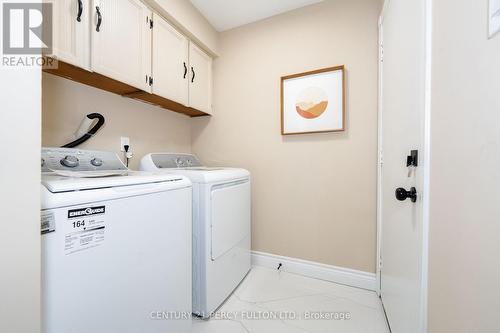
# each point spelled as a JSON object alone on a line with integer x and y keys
{"x": 266, "y": 292}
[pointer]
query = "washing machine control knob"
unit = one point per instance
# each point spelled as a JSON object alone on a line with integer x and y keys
{"x": 97, "y": 162}
{"x": 70, "y": 161}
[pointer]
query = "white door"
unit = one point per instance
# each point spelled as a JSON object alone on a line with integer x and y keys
{"x": 121, "y": 41}
{"x": 170, "y": 62}
{"x": 403, "y": 107}
{"x": 71, "y": 34}
{"x": 200, "y": 79}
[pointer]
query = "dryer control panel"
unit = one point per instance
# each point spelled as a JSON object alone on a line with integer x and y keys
{"x": 79, "y": 160}
{"x": 167, "y": 161}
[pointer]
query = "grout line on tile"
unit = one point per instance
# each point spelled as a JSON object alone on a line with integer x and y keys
{"x": 288, "y": 298}
{"x": 242, "y": 325}
{"x": 376, "y": 308}
{"x": 262, "y": 306}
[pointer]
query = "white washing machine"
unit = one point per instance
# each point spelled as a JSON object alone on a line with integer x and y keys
{"x": 116, "y": 246}
{"x": 221, "y": 226}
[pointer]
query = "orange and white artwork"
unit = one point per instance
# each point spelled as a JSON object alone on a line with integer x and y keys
{"x": 313, "y": 102}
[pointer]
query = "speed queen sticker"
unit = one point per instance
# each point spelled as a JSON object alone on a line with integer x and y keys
{"x": 84, "y": 229}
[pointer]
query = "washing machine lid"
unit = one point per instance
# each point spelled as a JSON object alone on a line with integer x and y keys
{"x": 58, "y": 184}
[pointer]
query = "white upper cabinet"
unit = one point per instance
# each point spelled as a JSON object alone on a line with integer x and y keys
{"x": 200, "y": 79}
{"x": 121, "y": 41}
{"x": 125, "y": 41}
{"x": 170, "y": 62}
{"x": 71, "y": 35}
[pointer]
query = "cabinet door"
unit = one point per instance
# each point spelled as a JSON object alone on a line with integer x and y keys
{"x": 200, "y": 79}
{"x": 170, "y": 62}
{"x": 71, "y": 35}
{"x": 121, "y": 41}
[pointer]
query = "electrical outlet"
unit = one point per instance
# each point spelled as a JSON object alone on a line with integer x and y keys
{"x": 124, "y": 141}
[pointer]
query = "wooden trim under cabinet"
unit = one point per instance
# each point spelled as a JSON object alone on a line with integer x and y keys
{"x": 165, "y": 103}
{"x": 102, "y": 82}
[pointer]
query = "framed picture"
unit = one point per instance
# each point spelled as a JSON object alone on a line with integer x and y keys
{"x": 313, "y": 102}
{"x": 494, "y": 18}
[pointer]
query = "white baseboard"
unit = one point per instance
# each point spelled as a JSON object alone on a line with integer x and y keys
{"x": 346, "y": 276}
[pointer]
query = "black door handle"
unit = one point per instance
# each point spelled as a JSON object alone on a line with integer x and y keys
{"x": 99, "y": 18}
{"x": 194, "y": 74}
{"x": 402, "y": 194}
{"x": 80, "y": 11}
{"x": 185, "y": 70}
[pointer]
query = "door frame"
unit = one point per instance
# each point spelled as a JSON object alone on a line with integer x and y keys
{"x": 425, "y": 159}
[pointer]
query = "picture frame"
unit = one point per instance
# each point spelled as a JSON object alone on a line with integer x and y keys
{"x": 493, "y": 18}
{"x": 313, "y": 101}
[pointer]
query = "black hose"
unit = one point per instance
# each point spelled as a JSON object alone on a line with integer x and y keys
{"x": 90, "y": 133}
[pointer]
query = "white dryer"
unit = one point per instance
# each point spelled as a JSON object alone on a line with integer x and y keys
{"x": 221, "y": 226}
{"x": 116, "y": 246}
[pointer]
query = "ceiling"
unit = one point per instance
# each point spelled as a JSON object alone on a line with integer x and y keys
{"x": 228, "y": 14}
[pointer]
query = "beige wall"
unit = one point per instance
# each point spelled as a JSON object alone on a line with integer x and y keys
{"x": 149, "y": 128}
{"x": 465, "y": 195}
{"x": 314, "y": 196}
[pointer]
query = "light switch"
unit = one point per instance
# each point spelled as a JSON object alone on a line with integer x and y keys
{"x": 494, "y": 17}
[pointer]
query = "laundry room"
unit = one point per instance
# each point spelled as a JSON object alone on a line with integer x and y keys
{"x": 327, "y": 218}
{"x": 212, "y": 166}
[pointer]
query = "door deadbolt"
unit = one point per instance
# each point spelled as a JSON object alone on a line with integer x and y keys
{"x": 402, "y": 194}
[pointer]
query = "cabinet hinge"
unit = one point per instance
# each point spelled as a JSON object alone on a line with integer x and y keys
{"x": 151, "y": 24}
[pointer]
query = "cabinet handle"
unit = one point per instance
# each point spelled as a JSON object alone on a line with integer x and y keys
{"x": 194, "y": 74}
{"x": 185, "y": 70}
{"x": 80, "y": 11}
{"x": 99, "y": 18}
